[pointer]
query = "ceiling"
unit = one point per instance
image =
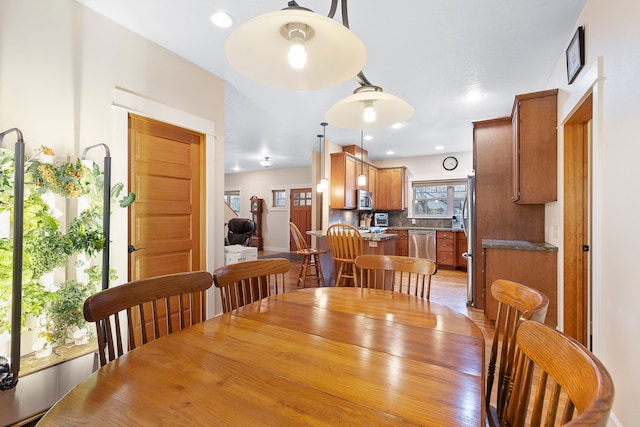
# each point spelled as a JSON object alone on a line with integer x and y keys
{"x": 431, "y": 54}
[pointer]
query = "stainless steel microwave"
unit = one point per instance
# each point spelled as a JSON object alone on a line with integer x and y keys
{"x": 364, "y": 201}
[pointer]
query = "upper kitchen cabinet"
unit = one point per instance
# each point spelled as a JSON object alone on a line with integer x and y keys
{"x": 343, "y": 181}
{"x": 391, "y": 193}
{"x": 534, "y": 124}
{"x": 372, "y": 183}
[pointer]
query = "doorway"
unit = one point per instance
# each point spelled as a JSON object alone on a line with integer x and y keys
{"x": 166, "y": 173}
{"x": 577, "y": 223}
{"x": 301, "y": 202}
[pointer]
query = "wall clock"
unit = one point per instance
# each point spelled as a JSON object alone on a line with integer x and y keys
{"x": 450, "y": 163}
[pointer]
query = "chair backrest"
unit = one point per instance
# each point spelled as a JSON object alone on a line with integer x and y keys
{"x": 345, "y": 242}
{"x": 298, "y": 238}
{"x": 402, "y": 274}
{"x": 154, "y": 307}
{"x": 240, "y": 231}
{"x": 245, "y": 282}
{"x": 571, "y": 386}
{"x": 516, "y": 302}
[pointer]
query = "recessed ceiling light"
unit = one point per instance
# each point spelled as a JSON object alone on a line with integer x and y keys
{"x": 368, "y": 138}
{"x": 397, "y": 125}
{"x": 390, "y": 152}
{"x": 439, "y": 147}
{"x": 221, "y": 19}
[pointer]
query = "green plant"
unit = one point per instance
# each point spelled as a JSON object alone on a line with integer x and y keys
{"x": 66, "y": 179}
{"x": 65, "y": 311}
{"x": 45, "y": 247}
{"x": 85, "y": 232}
{"x": 6, "y": 172}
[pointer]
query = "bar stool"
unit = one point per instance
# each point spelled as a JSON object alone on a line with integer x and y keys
{"x": 310, "y": 259}
{"x": 346, "y": 245}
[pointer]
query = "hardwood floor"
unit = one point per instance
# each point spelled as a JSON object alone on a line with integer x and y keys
{"x": 448, "y": 287}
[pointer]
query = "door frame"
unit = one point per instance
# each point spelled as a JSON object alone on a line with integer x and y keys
{"x": 577, "y": 223}
{"x": 589, "y": 84}
{"x": 125, "y": 102}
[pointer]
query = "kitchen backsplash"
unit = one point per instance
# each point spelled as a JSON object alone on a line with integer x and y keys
{"x": 396, "y": 219}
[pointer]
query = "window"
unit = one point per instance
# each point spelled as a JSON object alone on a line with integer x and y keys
{"x": 438, "y": 199}
{"x": 232, "y": 198}
{"x": 279, "y": 198}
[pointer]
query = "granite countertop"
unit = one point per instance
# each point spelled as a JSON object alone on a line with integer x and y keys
{"x": 522, "y": 245}
{"x": 365, "y": 236}
{"x": 425, "y": 228}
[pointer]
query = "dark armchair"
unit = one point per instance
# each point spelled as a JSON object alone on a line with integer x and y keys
{"x": 240, "y": 232}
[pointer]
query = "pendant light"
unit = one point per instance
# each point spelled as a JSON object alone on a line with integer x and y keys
{"x": 368, "y": 108}
{"x": 296, "y": 48}
{"x": 324, "y": 182}
{"x": 362, "y": 178}
{"x": 319, "y": 187}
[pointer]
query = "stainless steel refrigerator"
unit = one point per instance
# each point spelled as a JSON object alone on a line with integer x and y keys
{"x": 468, "y": 225}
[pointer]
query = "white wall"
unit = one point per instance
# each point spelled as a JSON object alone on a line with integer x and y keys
{"x": 60, "y": 65}
{"x": 425, "y": 168}
{"x": 612, "y": 71}
{"x": 275, "y": 221}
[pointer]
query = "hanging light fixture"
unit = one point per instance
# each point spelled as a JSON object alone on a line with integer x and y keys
{"x": 321, "y": 52}
{"x": 362, "y": 178}
{"x": 266, "y": 162}
{"x": 324, "y": 182}
{"x": 368, "y": 108}
{"x": 319, "y": 187}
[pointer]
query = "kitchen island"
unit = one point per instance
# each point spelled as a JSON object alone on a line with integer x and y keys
{"x": 374, "y": 244}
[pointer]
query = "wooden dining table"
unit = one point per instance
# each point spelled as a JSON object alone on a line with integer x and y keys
{"x": 319, "y": 356}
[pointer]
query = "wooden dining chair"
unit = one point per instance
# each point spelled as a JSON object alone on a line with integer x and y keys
{"x": 245, "y": 282}
{"x": 408, "y": 275}
{"x": 154, "y": 307}
{"x": 310, "y": 266}
{"x": 516, "y": 302}
{"x": 557, "y": 381}
{"x": 345, "y": 242}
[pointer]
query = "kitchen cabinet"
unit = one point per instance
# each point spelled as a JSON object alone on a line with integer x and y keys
{"x": 402, "y": 242}
{"x": 461, "y": 247}
{"x": 496, "y": 216}
{"x": 445, "y": 248}
{"x": 531, "y": 264}
{"x": 343, "y": 181}
{"x": 391, "y": 189}
{"x": 534, "y": 147}
{"x": 372, "y": 183}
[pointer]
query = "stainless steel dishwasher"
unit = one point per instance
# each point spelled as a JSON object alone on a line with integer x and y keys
{"x": 422, "y": 244}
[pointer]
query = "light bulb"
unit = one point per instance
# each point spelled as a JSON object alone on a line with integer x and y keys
{"x": 297, "y": 52}
{"x": 325, "y": 183}
{"x": 369, "y": 114}
{"x": 362, "y": 179}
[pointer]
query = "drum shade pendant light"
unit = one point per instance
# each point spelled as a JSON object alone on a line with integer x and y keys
{"x": 296, "y": 48}
{"x": 368, "y": 108}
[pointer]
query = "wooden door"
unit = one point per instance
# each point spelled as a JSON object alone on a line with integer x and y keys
{"x": 166, "y": 171}
{"x": 301, "y": 213}
{"x": 577, "y": 225}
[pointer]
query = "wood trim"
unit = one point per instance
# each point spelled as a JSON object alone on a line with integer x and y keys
{"x": 576, "y": 223}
